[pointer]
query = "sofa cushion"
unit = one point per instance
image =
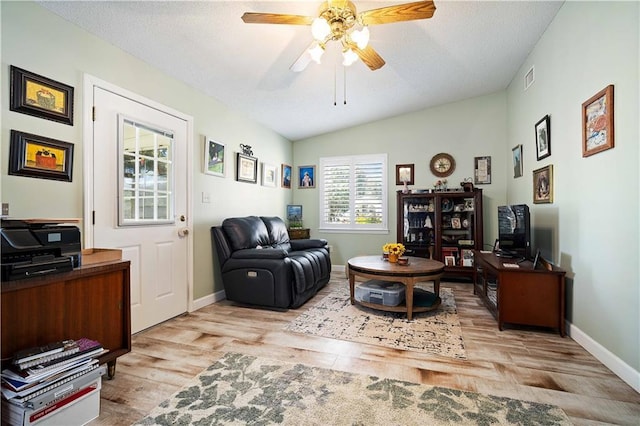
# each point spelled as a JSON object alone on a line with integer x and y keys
{"x": 277, "y": 229}
{"x": 246, "y": 232}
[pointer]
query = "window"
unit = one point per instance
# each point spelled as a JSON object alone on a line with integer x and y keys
{"x": 353, "y": 193}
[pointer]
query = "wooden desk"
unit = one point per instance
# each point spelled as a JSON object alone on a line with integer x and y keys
{"x": 418, "y": 270}
{"x": 92, "y": 301}
{"x": 521, "y": 295}
{"x": 299, "y": 233}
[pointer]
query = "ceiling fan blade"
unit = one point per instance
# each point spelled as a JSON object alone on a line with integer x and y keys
{"x": 274, "y": 18}
{"x": 301, "y": 63}
{"x": 401, "y": 12}
{"x": 369, "y": 56}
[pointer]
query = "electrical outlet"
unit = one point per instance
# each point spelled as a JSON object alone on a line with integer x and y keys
{"x": 5, "y": 209}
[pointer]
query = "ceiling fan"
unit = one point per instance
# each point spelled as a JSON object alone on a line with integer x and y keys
{"x": 337, "y": 20}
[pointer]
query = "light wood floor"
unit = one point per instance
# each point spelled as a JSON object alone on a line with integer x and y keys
{"x": 525, "y": 364}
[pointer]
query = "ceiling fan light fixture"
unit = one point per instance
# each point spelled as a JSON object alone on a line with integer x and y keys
{"x": 316, "y": 52}
{"x": 320, "y": 29}
{"x": 349, "y": 57}
{"x": 361, "y": 38}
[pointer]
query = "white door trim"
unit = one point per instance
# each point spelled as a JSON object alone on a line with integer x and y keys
{"x": 87, "y": 148}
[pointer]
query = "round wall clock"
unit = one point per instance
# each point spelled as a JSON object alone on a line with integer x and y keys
{"x": 442, "y": 165}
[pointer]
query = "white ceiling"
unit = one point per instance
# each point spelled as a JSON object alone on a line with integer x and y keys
{"x": 468, "y": 49}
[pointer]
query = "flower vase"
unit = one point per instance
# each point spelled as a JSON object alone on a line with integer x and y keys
{"x": 393, "y": 258}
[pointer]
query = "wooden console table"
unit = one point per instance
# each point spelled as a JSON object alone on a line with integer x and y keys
{"x": 521, "y": 295}
{"x": 299, "y": 233}
{"x": 91, "y": 301}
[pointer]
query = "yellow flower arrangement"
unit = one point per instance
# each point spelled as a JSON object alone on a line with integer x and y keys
{"x": 394, "y": 248}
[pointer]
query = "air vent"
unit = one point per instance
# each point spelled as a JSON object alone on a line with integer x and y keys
{"x": 529, "y": 78}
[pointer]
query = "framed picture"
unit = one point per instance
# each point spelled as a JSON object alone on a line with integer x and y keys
{"x": 543, "y": 137}
{"x": 450, "y": 260}
{"x": 40, "y": 96}
{"x": 214, "y": 156}
{"x": 246, "y": 168}
{"x": 40, "y": 157}
{"x": 286, "y": 176}
{"x": 517, "y": 161}
{"x": 269, "y": 175}
{"x": 543, "y": 185}
{"x": 467, "y": 257}
{"x": 294, "y": 215}
{"x": 456, "y": 223}
{"x": 482, "y": 170}
{"x": 597, "y": 122}
{"x": 307, "y": 176}
{"x": 404, "y": 174}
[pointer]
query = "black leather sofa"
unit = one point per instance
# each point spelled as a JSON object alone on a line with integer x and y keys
{"x": 260, "y": 266}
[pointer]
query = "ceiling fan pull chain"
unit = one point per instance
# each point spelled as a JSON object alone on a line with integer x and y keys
{"x": 345, "y": 85}
{"x": 335, "y": 90}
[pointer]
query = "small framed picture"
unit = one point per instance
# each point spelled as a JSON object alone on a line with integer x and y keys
{"x": 597, "y": 122}
{"x": 40, "y": 96}
{"x": 214, "y": 156}
{"x": 269, "y": 175}
{"x": 307, "y": 176}
{"x": 543, "y": 185}
{"x": 450, "y": 260}
{"x": 517, "y": 161}
{"x": 285, "y": 172}
{"x": 455, "y": 223}
{"x": 404, "y": 174}
{"x": 543, "y": 137}
{"x": 246, "y": 168}
{"x": 482, "y": 171}
{"x": 40, "y": 157}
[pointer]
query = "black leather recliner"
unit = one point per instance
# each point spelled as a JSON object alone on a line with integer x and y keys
{"x": 261, "y": 266}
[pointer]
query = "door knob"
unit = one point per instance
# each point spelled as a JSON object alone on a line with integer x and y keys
{"x": 183, "y": 232}
{"x": 182, "y": 218}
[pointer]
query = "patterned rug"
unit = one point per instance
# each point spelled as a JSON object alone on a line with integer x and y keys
{"x": 240, "y": 389}
{"x": 437, "y": 332}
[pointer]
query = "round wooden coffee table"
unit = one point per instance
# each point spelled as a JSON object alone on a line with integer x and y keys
{"x": 419, "y": 269}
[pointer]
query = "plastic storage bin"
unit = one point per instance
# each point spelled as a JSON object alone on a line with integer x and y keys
{"x": 387, "y": 293}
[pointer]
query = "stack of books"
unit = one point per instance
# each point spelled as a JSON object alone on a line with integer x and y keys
{"x": 42, "y": 376}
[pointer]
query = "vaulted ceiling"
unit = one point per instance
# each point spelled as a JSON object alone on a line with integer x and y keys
{"x": 467, "y": 49}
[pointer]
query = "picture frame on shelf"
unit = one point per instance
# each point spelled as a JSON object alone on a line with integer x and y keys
{"x": 404, "y": 174}
{"x": 246, "y": 168}
{"x": 456, "y": 223}
{"x": 306, "y": 177}
{"x": 269, "y": 175}
{"x": 214, "y": 157}
{"x": 517, "y": 161}
{"x": 543, "y": 137}
{"x": 543, "y": 185}
{"x": 482, "y": 170}
{"x": 294, "y": 215}
{"x": 39, "y": 96}
{"x": 597, "y": 122}
{"x": 450, "y": 261}
{"x": 40, "y": 157}
{"x": 285, "y": 172}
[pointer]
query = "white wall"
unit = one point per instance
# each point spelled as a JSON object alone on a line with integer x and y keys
{"x": 593, "y": 221}
{"x": 43, "y": 43}
{"x": 466, "y": 129}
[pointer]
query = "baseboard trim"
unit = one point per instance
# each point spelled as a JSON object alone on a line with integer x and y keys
{"x": 602, "y": 354}
{"x": 207, "y": 300}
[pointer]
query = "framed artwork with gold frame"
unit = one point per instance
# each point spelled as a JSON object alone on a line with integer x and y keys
{"x": 40, "y": 96}
{"x": 40, "y": 157}
{"x": 597, "y": 122}
{"x": 543, "y": 185}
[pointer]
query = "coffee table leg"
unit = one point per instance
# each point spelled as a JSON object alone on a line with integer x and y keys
{"x": 352, "y": 284}
{"x": 409, "y": 298}
{"x": 436, "y": 286}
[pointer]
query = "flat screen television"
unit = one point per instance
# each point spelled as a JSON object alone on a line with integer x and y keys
{"x": 514, "y": 231}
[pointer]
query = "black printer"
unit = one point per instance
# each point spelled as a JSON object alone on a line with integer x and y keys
{"x": 33, "y": 248}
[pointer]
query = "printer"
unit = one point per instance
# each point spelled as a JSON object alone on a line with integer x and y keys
{"x": 32, "y": 248}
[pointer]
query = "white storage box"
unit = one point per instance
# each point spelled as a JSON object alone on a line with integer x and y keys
{"x": 387, "y": 293}
{"x": 79, "y": 408}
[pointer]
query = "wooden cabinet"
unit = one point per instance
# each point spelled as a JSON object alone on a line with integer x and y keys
{"x": 299, "y": 233}
{"x": 519, "y": 294}
{"x": 443, "y": 225}
{"x": 92, "y": 301}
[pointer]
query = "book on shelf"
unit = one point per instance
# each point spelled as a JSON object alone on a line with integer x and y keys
{"x": 38, "y": 353}
{"x": 70, "y": 347}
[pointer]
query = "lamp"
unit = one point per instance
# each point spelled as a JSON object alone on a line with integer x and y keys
{"x": 349, "y": 57}
{"x": 316, "y": 52}
{"x": 361, "y": 38}
{"x": 320, "y": 29}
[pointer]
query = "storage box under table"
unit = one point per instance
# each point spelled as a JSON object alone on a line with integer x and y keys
{"x": 387, "y": 293}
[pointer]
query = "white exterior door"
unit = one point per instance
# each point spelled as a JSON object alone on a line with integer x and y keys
{"x": 140, "y": 201}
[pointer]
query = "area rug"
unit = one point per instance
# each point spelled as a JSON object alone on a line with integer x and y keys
{"x": 437, "y": 332}
{"x": 240, "y": 389}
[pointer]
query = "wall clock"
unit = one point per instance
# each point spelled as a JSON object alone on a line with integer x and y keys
{"x": 442, "y": 165}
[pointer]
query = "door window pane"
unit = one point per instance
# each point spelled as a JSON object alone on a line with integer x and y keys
{"x": 146, "y": 179}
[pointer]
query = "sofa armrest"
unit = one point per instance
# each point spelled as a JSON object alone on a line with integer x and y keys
{"x": 255, "y": 253}
{"x": 297, "y": 245}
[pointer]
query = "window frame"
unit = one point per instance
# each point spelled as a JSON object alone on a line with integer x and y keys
{"x": 352, "y": 161}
